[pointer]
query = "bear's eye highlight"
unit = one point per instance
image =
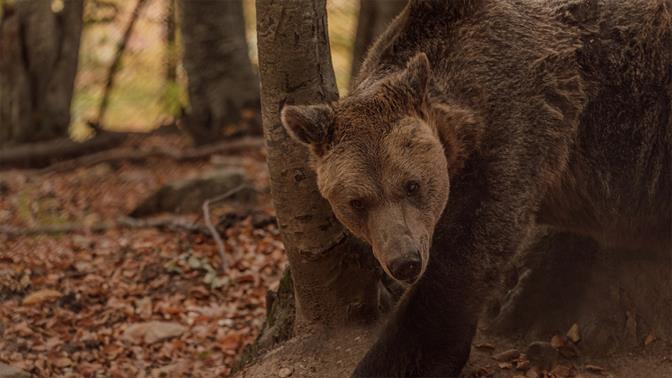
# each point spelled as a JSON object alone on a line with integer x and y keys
{"x": 357, "y": 204}
{"x": 412, "y": 187}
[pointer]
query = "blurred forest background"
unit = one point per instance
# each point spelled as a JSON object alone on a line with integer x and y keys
{"x": 151, "y": 85}
{"x": 146, "y": 93}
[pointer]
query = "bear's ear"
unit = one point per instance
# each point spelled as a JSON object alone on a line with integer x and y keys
{"x": 460, "y": 131}
{"x": 416, "y": 75}
{"x": 311, "y": 125}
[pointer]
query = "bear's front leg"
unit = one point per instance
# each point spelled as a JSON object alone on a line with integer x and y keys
{"x": 431, "y": 332}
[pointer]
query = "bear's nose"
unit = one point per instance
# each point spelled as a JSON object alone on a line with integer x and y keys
{"x": 407, "y": 267}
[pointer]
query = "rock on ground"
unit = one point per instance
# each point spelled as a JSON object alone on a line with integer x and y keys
{"x": 188, "y": 195}
{"x": 151, "y": 332}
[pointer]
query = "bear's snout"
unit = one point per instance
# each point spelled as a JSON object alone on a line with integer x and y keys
{"x": 407, "y": 267}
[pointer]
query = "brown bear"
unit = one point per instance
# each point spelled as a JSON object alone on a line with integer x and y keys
{"x": 473, "y": 120}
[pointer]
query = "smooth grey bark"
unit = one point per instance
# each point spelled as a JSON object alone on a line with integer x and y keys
{"x": 223, "y": 88}
{"x": 335, "y": 277}
{"x": 39, "y": 53}
{"x": 374, "y": 17}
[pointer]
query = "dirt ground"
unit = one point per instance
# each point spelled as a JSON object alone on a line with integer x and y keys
{"x": 333, "y": 355}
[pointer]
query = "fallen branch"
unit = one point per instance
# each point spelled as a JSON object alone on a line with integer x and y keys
{"x": 173, "y": 223}
{"x": 40, "y": 154}
{"x": 129, "y": 154}
{"x": 211, "y": 226}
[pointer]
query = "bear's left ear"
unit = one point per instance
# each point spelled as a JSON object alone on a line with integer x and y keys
{"x": 416, "y": 75}
{"x": 311, "y": 125}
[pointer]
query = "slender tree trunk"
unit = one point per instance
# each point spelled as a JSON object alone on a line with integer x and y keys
{"x": 374, "y": 17}
{"x": 39, "y": 51}
{"x": 170, "y": 58}
{"x": 335, "y": 277}
{"x": 223, "y": 87}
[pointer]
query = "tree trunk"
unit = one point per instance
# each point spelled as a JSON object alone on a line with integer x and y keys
{"x": 374, "y": 18}
{"x": 335, "y": 276}
{"x": 39, "y": 51}
{"x": 223, "y": 88}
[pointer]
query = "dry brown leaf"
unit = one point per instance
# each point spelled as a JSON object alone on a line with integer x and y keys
{"x": 230, "y": 342}
{"x": 594, "y": 368}
{"x": 62, "y": 362}
{"x": 523, "y": 365}
{"x": 574, "y": 333}
{"x": 507, "y": 355}
{"x": 484, "y": 346}
{"x": 651, "y": 337}
{"x": 505, "y": 365}
{"x": 533, "y": 373}
{"x": 557, "y": 341}
{"x": 40, "y": 296}
{"x": 561, "y": 371}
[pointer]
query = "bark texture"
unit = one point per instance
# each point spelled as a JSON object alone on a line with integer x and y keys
{"x": 335, "y": 277}
{"x": 223, "y": 87}
{"x": 39, "y": 50}
{"x": 374, "y": 17}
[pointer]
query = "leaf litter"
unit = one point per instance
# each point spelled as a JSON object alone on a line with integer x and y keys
{"x": 129, "y": 302}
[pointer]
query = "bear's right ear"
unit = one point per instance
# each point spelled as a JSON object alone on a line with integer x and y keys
{"x": 311, "y": 125}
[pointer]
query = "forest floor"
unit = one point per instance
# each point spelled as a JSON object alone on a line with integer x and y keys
{"x": 328, "y": 354}
{"x": 135, "y": 302}
{"x": 130, "y": 302}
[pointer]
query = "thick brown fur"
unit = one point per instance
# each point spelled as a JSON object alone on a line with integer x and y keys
{"x": 558, "y": 112}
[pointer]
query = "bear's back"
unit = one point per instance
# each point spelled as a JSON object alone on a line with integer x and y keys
{"x": 609, "y": 61}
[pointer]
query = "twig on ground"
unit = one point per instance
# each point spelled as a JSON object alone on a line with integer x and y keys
{"x": 140, "y": 155}
{"x": 174, "y": 223}
{"x": 211, "y": 227}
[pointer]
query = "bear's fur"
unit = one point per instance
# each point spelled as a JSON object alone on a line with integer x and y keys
{"x": 555, "y": 111}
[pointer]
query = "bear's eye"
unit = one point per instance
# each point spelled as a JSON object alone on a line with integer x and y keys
{"x": 357, "y": 204}
{"x": 412, "y": 187}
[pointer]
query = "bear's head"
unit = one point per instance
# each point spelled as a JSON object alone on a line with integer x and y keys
{"x": 383, "y": 158}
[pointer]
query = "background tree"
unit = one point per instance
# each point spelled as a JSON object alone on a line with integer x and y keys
{"x": 374, "y": 17}
{"x": 223, "y": 88}
{"x": 335, "y": 279}
{"x": 39, "y": 50}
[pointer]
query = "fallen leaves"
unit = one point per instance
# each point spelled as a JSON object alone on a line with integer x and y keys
{"x": 128, "y": 302}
